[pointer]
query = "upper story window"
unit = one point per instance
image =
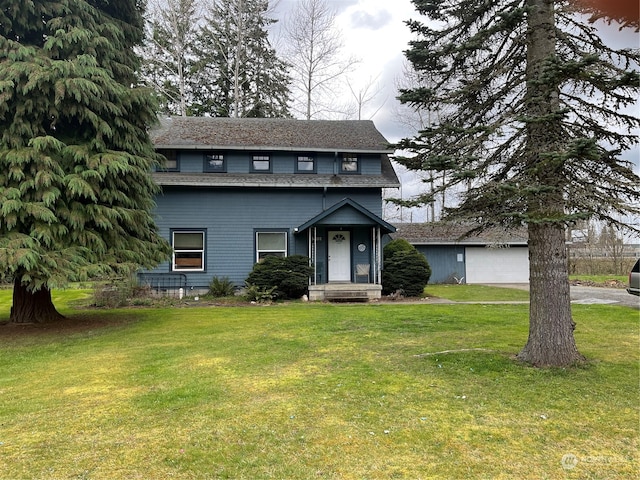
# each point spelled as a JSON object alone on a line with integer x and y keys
{"x": 261, "y": 164}
{"x": 305, "y": 164}
{"x": 349, "y": 163}
{"x": 214, "y": 162}
{"x": 170, "y": 163}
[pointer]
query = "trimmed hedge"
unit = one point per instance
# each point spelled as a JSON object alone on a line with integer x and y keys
{"x": 395, "y": 246}
{"x": 289, "y": 275}
{"x": 405, "y": 269}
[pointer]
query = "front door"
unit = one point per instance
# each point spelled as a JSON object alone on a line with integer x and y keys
{"x": 339, "y": 256}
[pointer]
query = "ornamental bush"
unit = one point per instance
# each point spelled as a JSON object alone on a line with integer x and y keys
{"x": 221, "y": 287}
{"x": 405, "y": 269}
{"x": 394, "y": 246}
{"x": 289, "y": 275}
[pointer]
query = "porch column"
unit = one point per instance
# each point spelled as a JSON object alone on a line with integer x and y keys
{"x": 378, "y": 260}
{"x": 312, "y": 240}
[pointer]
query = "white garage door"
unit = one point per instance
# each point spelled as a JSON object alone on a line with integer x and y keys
{"x": 497, "y": 265}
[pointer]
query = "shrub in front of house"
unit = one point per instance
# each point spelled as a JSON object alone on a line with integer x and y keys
{"x": 257, "y": 294}
{"x": 395, "y": 246}
{"x": 405, "y": 269}
{"x": 118, "y": 292}
{"x": 289, "y": 275}
{"x": 221, "y": 287}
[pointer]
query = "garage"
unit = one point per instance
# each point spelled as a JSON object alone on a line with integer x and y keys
{"x": 497, "y": 265}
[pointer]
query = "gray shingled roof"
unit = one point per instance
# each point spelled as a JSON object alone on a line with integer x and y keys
{"x": 269, "y": 134}
{"x": 456, "y": 233}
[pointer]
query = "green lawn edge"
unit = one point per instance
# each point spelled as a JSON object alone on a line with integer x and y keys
{"x": 316, "y": 391}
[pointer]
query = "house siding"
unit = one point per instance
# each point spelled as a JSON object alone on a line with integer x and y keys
{"x": 443, "y": 260}
{"x": 232, "y": 216}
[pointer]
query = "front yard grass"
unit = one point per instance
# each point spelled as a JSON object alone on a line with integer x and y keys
{"x": 476, "y": 293}
{"x": 305, "y": 391}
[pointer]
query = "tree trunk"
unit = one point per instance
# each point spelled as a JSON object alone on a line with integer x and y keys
{"x": 551, "y": 341}
{"x": 32, "y": 307}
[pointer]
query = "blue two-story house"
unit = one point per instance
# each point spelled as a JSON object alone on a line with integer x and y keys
{"x": 237, "y": 190}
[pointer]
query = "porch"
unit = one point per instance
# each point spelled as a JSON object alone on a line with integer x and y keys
{"x": 345, "y": 292}
{"x": 344, "y": 244}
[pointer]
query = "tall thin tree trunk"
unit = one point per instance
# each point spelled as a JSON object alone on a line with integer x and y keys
{"x": 238, "y": 58}
{"x": 32, "y": 307}
{"x": 551, "y": 341}
{"x": 308, "y": 92}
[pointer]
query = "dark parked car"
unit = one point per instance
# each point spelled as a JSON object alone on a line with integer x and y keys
{"x": 634, "y": 279}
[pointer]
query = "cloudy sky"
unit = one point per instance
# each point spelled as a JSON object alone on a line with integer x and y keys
{"x": 373, "y": 32}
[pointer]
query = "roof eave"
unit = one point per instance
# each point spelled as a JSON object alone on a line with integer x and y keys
{"x": 169, "y": 183}
{"x": 476, "y": 243}
{"x": 267, "y": 148}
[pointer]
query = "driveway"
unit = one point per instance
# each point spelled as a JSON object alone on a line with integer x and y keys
{"x": 594, "y": 295}
{"x": 590, "y": 295}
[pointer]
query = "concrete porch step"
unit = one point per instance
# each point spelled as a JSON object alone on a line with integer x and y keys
{"x": 346, "y": 295}
{"x": 345, "y": 292}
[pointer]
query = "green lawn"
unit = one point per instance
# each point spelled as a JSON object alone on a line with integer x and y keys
{"x": 475, "y": 293}
{"x": 306, "y": 391}
{"x": 606, "y": 280}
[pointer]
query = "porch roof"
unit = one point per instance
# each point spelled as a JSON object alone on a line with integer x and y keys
{"x": 350, "y": 204}
{"x": 387, "y": 179}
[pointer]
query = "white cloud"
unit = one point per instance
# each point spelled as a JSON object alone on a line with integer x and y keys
{"x": 363, "y": 19}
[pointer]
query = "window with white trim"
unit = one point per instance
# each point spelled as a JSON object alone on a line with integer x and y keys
{"x": 188, "y": 250}
{"x": 270, "y": 243}
{"x": 261, "y": 163}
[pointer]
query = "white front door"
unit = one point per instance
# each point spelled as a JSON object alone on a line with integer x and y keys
{"x": 339, "y": 256}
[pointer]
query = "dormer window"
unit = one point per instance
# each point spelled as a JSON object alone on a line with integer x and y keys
{"x": 261, "y": 164}
{"x": 170, "y": 163}
{"x": 214, "y": 162}
{"x": 306, "y": 164}
{"x": 349, "y": 163}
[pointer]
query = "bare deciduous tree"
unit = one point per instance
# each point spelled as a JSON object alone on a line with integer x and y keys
{"x": 173, "y": 26}
{"x": 314, "y": 52}
{"x": 365, "y": 95}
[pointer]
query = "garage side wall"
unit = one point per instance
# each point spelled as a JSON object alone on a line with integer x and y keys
{"x": 446, "y": 262}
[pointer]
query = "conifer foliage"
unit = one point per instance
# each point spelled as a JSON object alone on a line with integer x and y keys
{"x": 75, "y": 190}
{"x": 536, "y": 114}
{"x": 214, "y": 57}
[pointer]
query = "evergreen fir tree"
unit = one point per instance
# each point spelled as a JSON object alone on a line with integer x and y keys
{"x": 238, "y": 73}
{"x": 75, "y": 191}
{"x": 535, "y": 121}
